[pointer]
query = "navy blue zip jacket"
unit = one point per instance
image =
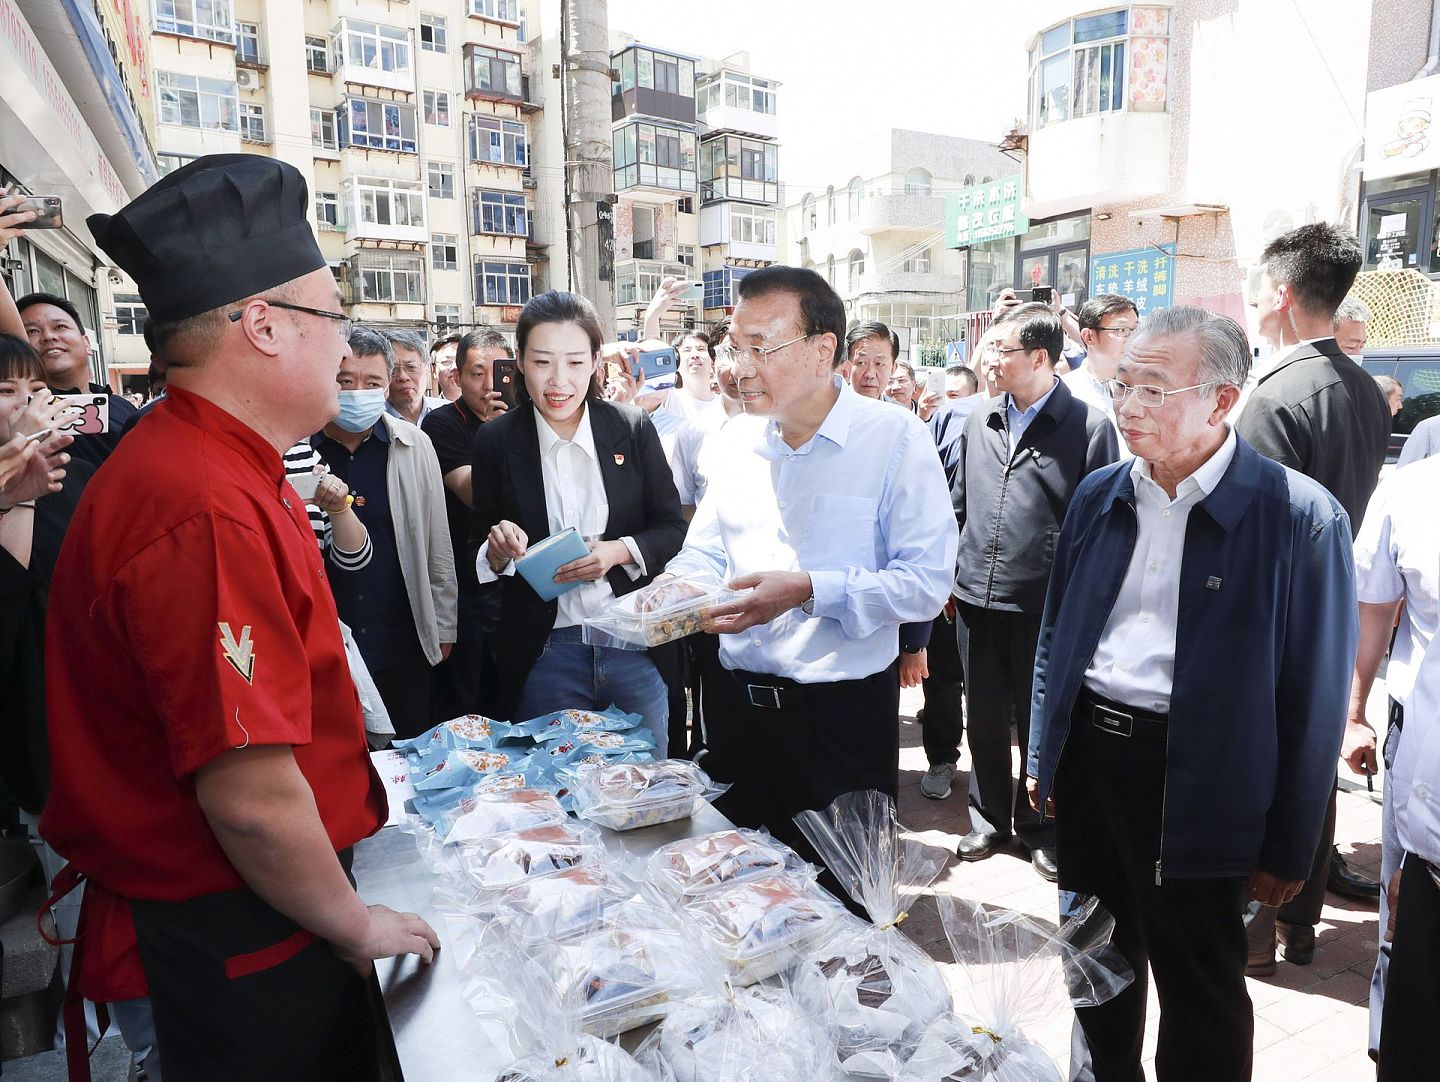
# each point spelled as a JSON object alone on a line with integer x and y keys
{"x": 1264, "y": 649}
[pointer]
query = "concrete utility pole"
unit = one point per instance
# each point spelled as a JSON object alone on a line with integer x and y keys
{"x": 590, "y": 202}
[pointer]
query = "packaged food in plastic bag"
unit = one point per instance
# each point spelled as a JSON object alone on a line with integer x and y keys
{"x": 878, "y": 990}
{"x": 452, "y": 768}
{"x": 482, "y": 815}
{"x": 694, "y": 866}
{"x": 498, "y": 861}
{"x": 562, "y": 905}
{"x": 565, "y": 746}
{"x": 468, "y": 731}
{"x": 625, "y": 796}
{"x": 761, "y": 926}
{"x": 610, "y": 720}
{"x": 1018, "y": 982}
{"x": 431, "y": 805}
{"x": 655, "y": 614}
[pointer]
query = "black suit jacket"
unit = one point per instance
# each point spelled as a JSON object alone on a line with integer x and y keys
{"x": 506, "y": 485}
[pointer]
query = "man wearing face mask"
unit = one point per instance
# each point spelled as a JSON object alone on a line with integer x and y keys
{"x": 402, "y": 604}
{"x": 1320, "y": 413}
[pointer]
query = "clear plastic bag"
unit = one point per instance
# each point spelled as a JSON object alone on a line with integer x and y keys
{"x": 879, "y": 991}
{"x": 693, "y": 866}
{"x": 655, "y": 614}
{"x": 761, "y": 926}
{"x": 1019, "y": 980}
{"x": 561, "y": 906}
{"x": 478, "y": 816}
{"x": 625, "y": 796}
{"x": 502, "y": 860}
{"x": 610, "y": 720}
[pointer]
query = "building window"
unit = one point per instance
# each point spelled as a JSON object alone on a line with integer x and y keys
{"x": 492, "y": 72}
{"x": 500, "y": 142}
{"x": 720, "y": 286}
{"x": 327, "y": 212}
{"x": 212, "y": 20}
{"x": 502, "y": 282}
{"x": 917, "y": 182}
{"x": 446, "y": 316}
{"x": 252, "y": 122}
{"x": 168, "y": 163}
{"x": 379, "y": 125}
{"x": 130, "y": 313}
{"x": 387, "y": 278}
{"x": 499, "y": 213}
{"x": 194, "y": 102}
{"x": 437, "y": 108}
{"x": 736, "y": 90}
{"x": 856, "y": 268}
{"x": 654, "y": 156}
{"x": 685, "y": 255}
{"x": 969, "y": 180}
{"x": 322, "y": 129}
{"x": 433, "y": 35}
{"x": 505, "y": 11}
{"x": 441, "y": 177}
{"x": 317, "y": 55}
{"x": 382, "y": 201}
{"x": 808, "y": 218}
{"x": 1099, "y": 64}
{"x": 372, "y": 45}
{"x": 655, "y": 71}
{"x": 752, "y": 225}
{"x": 685, "y": 205}
{"x": 247, "y": 43}
{"x": 857, "y": 197}
{"x": 830, "y": 205}
{"x": 918, "y": 263}
{"x": 667, "y": 74}
{"x": 444, "y": 251}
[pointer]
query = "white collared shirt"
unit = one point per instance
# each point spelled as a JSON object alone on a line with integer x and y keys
{"x": 1090, "y": 390}
{"x": 1018, "y": 420}
{"x": 1397, "y": 556}
{"x": 1134, "y": 662}
{"x": 574, "y": 496}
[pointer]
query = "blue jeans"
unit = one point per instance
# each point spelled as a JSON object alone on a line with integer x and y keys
{"x": 570, "y": 675}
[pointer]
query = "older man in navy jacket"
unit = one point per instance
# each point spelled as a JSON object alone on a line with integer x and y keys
{"x": 1191, "y": 686}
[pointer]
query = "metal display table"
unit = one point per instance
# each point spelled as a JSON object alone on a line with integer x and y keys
{"x": 436, "y": 1035}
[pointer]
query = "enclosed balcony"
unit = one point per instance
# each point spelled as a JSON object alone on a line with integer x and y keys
{"x": 738, "y": 167}
{"x": 381, "y": 209}
{"x": 372, "y": 54}
{"x": 636, "y": 280}
{"x": 734, "y": 101}
{"x": 654, "y": 162}
{"x": 653, "y": 83}
{"x": 748, "y": 232}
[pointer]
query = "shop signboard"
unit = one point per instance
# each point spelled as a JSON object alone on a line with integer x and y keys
{"x": 984, "y": 212}
{"x": 1398, "y": 139}
{"x": 1145, "y": 275}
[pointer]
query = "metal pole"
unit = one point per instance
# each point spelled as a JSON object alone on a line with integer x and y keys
{"x": 585, "y": 56}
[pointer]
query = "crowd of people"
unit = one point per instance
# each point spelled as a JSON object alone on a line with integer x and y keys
{"x": 1104, "y": 539}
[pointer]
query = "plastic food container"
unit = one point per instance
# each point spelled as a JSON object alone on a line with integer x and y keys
{"x": 560, "y": 906}
{"x": 626, "y": 796}
{"x": 694, "y": 866}
{"x": 655, "y": 615}
{"x": 622, "y": 986}
{"x": 478, "y": 816}
{"x": 497, "y": 862}
{"x": 760, "y": 927}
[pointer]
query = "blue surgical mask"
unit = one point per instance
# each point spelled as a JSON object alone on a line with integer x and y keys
{"x": 359, "y": 410}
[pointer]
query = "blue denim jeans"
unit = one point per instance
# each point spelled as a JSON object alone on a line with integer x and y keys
{"x": 570, "y": 675}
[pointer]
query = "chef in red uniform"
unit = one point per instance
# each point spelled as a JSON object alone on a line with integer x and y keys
{"x": 209, "y": 767}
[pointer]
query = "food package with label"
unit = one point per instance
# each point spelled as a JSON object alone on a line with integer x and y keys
{"x": 478, "y": 816}
{"x": 625, "y": 796}
{"x": 610, "y": 720}
{"x": 565, "y": 747}
{"x": 876, "y": 989}
{"x": 454, "y": 768}
{"x": 694, "y": 866}
{"x": 468, "y": 731}
{"x": 655, "y": 614}
{"x": 432, "y": 805}
{"x": 1018, "y": 983}
{"x": 762, "y": 926}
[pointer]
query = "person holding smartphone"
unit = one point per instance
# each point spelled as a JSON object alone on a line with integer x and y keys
{"x": 567, "y": 458}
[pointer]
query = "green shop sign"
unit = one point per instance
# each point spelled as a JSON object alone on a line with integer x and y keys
{"x": 984, "y": 212}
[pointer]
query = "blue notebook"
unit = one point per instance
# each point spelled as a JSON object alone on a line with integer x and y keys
{"x": 544, "y": 558}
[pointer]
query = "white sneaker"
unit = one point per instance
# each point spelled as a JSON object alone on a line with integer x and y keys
{"x": 936, "y": 782}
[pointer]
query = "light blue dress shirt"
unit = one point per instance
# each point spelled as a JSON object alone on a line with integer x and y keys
{"x": 1017, "y": 421}
{"x": 863, "y": 507}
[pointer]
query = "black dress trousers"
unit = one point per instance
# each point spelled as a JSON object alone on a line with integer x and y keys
{"x": 1409, "y": 1045}
{"x": 944, "y": 722}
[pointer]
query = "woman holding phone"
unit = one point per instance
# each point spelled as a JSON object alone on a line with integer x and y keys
{"x": 566, "y": 458}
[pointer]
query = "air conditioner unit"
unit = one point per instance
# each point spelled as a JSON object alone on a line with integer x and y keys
{"x": 246, "y": 79}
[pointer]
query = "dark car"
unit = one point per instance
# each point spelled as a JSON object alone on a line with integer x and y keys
{"x": 1417, "y": 370}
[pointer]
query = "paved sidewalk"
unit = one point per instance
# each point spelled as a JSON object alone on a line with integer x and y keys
{"x": 1311, "y": 1022}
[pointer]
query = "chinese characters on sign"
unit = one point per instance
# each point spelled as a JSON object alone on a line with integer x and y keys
{"x": 1145, "y": 275}
{"x": 984, "y": 212}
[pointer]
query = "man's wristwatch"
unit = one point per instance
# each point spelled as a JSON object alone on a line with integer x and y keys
{"x": 808, "y": 605}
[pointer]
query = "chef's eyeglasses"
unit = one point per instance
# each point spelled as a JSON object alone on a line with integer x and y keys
{"x": 342, "y": 321}
{"x": 754, "y": 355}
{"x": 1119, "y": 332}
{"x": 1147, "y": 396}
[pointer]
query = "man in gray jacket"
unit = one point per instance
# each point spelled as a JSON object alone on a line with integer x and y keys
{"x": 402, "y": 604}
{"x": 1019, "y": 461}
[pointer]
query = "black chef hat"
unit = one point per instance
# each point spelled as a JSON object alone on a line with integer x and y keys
{"x": 224, "y": 227}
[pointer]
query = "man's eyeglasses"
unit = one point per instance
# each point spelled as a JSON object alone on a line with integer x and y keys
{"x": 752, "y": 354}
{"x": 998, "y": 351}
{"x": 342, "y": 321}
{"x": 1147, "y": 396}
{"x": 1120, "y": 332}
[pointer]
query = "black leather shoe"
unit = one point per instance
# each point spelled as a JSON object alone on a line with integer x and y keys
{"x": 1044, "y": 861}
{"x": 1348, "y": 883}
{"x": 977, "y": 845}
{"x": 1297, "y": 942}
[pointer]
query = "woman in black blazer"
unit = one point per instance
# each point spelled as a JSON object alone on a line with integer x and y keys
{"x": 566, "y": 458}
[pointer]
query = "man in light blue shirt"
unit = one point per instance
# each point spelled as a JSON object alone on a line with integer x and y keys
{"x": 831, "y": 516}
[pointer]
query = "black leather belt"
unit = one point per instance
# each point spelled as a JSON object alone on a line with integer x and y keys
{"x": 1117, "y": 719}
{"x": 771, "y": 692}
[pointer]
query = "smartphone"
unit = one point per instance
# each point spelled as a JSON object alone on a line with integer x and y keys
{"x": 1024, "y": 295}
{"x": 85, "y": 414}
{"x": 306, "y": 485}
{"x": 1042, "y": 294}
{"x": 505, "y": 377}
{"x": 36, "y": 437}
{"x": 658, "y": 362}
{"x": 612, "y": 370}
{"x": 47, "y": 212}
{"x": 935, "y": 382}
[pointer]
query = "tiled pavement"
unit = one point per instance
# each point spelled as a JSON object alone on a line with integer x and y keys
{"x": 1311, "y": 1022}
